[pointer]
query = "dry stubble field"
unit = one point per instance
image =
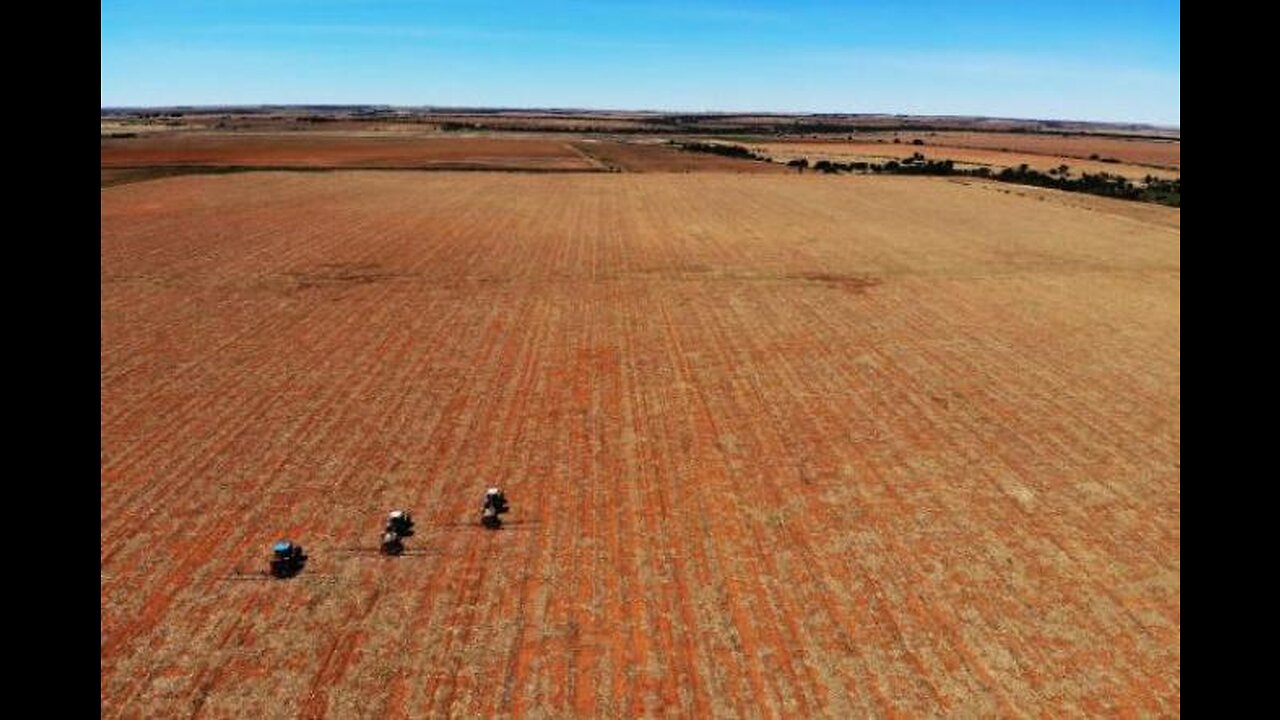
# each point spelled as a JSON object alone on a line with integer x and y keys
{"x": 776, "y": 445}
{"x": 965, "y": 157}
{"x": 1150, "y": 151}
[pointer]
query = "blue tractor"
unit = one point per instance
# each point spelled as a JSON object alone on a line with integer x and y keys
{"x": 287, "y": 559}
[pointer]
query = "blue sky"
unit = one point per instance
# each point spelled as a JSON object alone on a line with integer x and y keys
{"x": 1081, "y": 60}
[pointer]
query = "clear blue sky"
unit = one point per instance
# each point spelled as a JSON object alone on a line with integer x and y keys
{"x": 1115, "y": 60}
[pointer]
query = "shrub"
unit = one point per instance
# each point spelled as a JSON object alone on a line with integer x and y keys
{"x": 722, "y": 149}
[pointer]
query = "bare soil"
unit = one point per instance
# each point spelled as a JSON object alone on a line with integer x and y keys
{"x": 776, "y": 445}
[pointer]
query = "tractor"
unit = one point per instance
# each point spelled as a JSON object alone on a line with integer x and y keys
{"x": 400, "y": 523}
{"x": 495, "y": 504}
{"x": 287, "y": 559}
{"x": 391, "y": 543}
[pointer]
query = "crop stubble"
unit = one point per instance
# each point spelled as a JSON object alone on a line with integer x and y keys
{"x": 963, "y": 155}
{"x": 1152, "y": 152}
{"x": 778, "y": 445}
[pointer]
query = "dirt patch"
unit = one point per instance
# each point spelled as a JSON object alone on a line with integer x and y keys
{"x": 848, "y": 283}
{"x": 329, "y": 275}
{"x": 123, "y": 176}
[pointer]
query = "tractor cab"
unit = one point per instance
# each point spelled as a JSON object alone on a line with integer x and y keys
{"x": 495, "y": 504}
{"x": 400, "y": 523}
{"x": 494, "y": 498}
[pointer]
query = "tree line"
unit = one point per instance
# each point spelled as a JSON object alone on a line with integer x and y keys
{"x": 1151, "y": 189}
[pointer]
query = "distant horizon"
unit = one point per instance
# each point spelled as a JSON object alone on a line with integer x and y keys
{"x": 620, "y": 110}
{"x": 1092, "y": 61}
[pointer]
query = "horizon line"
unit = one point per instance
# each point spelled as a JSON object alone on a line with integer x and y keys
{"x": 492, "y": 108}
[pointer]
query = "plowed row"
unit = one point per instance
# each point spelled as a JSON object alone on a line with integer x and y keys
{"x": 781, "y": 446}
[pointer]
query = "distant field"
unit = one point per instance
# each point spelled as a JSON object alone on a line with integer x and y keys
{"x": 409, "y": 120}
{"x": 969, "y": 156}
{"x": 1166, "y": 154}
{"x": 563, "y": 145}
{"x": 786, "y": 446}
{"x": 341, "y": 150}
{"x": 131, "y": 159}
{"x": 165, "y": 154}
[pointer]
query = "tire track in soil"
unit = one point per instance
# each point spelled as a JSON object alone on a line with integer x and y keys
{"x": 497, "y": 349}
{"x": 336, "y": 659}
{"x": 654, "y": 687}
{"x": 838, "y": 615}
{"x": 1050, "y": 528}
{"x": 918, "y": 614}
{"x": 903, "y": 459}
{"x": 715, "y": 484}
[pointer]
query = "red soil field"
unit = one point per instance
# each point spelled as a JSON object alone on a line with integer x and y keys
{"x": 315, "y": 149}
{"x": 124, "y": 159}
{"x": 775, "y": 445}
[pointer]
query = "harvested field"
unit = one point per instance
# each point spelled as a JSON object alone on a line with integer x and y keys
{"x": 654, "y": 157}
{"x": 964, "y": 156}
{"x": 781, "y": 446}
{"x": 588, "y": 122}
{"x": 316, "y": 149}
{"x": 1147, "y": 213}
